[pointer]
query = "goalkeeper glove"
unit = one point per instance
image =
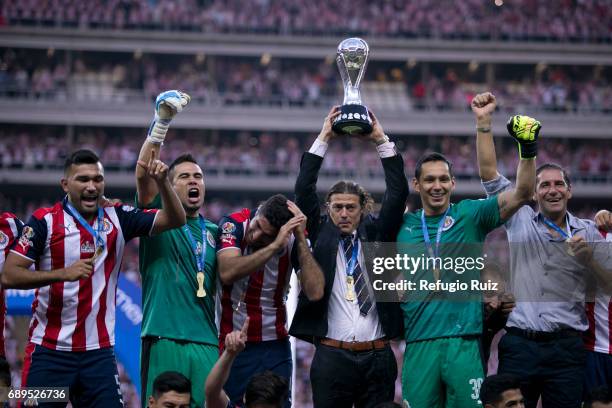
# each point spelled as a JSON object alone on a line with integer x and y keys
{"x": 167, "y": 105}
{"x": 525, "y": 131}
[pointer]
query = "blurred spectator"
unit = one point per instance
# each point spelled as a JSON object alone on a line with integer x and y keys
{"x": 517, "y": 20}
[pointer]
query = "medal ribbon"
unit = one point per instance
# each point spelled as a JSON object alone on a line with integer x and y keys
{"x": 433, "y": 252}
{"x": 565, "y": 234}
{"x": 200, "y": 258}
{"x": 351, "y": 264}
{"x": 97, "y": 235}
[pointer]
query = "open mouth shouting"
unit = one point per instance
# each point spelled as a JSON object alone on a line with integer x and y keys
{"x": 193, "y": 195}
{"x": 89, "y": 200}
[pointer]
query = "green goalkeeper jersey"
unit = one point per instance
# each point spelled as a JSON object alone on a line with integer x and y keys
{"x": 168, "y": 267}
{"x": 430, "y": 314}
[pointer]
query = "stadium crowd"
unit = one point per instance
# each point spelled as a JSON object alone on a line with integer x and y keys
{"x": 571, "y": 20}
{"x": 274, "y": 154}
{"x": 94, "y": 78}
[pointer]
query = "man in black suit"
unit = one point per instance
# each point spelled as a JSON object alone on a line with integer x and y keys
{"x": 353, "y": 363}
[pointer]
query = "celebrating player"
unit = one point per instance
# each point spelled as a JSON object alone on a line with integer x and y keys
{"x": 442, "y": 361}
{"x": 78, "y": 245}
{"x": 178, "y": 268}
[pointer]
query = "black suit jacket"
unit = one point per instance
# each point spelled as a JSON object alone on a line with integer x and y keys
{"x": 310, "y": 320}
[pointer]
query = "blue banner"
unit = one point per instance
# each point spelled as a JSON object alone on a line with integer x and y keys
{"x": 127, "y": 324}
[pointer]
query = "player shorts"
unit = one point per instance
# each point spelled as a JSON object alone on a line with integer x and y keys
{"x": 193, "y": 360}
{"x": 91, "y": 376}
{"x": 443, "y": 373}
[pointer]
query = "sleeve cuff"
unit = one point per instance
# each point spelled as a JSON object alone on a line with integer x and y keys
{"x": 386, "y": 149}
{"x": 497, "y": 185}
{"x": 319, "y": 148}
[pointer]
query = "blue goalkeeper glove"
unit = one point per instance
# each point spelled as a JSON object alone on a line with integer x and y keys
{"x": 167, "y": 105}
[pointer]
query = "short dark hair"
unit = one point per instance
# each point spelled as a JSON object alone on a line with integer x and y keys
{"x": 275, "y": 210}
{"x": 171, "y": 381}
{"x": 185, "y": 157}
{"x": 350, "y": 187}
{"x": 494, "y": 386}
{"x": 600, "y": 394}
{"x": 554, "y": 166}
{"x": 82, "y": 156}
{"x": 432, "y": 157}
{"x": 266, "y": 388}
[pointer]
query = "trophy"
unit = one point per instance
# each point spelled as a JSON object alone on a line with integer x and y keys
{"x": 352, "y": 59}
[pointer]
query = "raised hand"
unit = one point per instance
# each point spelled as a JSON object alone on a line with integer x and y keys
{"x": 155, "y": 168}
{"x": 282, "y": 238}
{"x": 525, "y": 130}
{"x": 300, "y": 230}
{"x": 483, "y": 105}
{"x": 235, "y": 341}
{"x": 169, "y": 103}
{"x": 603, "y": 219}
{"x": 327, "y": 133}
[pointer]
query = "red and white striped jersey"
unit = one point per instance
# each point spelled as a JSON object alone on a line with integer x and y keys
{"x": 78, "y": 316}
{"x": 262, "y": 294}
{"x": 10, "y": 229}
{"x": 599, "y": 314}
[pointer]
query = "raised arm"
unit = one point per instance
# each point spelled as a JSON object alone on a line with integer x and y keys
{"x": 311, "y": 275}
{"x": 396, "y": 192}
{"x": 483, "y": 105}
{"x": 172, "y": 214}
{"x": 167, "y": 105}
{"x": 306, "y": 183}
{"x": 525, "y": 131}
{"x": 234, "y": 266}
{"x": 235, "y": 342}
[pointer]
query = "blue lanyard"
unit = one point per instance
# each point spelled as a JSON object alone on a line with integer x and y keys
{"x": 433, "y": 252}
{"x": 97, "y": 235}
{"x": 352, "y": 263}
{"x": 200, "y": 258}
{"x": 565, "y": 234}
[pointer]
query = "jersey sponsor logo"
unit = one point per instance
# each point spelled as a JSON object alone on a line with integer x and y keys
{"x": 228, "y": 228}
{"x": 448, "y": 223}
{"x": 210, "y": 239}
{"x": 4, "y": 239}
{"x": 127, "y": 208}
{"x": 87, "y": 247}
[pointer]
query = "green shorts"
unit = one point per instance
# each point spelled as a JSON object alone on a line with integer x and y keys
{"x": 443, "y": 373}
{"x": 193, "y": 360}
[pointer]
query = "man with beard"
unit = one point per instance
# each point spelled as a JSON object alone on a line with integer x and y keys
{"x": 178, "y": 270}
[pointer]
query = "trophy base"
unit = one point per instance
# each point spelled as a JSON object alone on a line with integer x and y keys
{"x": 353, "y": 120}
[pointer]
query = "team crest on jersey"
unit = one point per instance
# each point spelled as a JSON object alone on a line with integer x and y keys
{"x": 227, "y": 239}
{"x": 87, "y": 247}
{"x": 228, "y": 228}
{"x": 107, "y": 226}
{"x": 127, "y": 208}
{"x": 25, "y": 241}
{"x": 4, "y": 239}
{"x": 448, "y": 223}
{"x": 210, "y": 239}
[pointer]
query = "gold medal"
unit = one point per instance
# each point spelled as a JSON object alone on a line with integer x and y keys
{"x": 201, "y": 292}
{"x": 350, "y": 289}
{"x": 98, "y": 253}
{"x": 569, "y": 251}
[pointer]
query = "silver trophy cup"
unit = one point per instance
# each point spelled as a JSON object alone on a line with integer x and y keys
{"x": 352, "y": 59}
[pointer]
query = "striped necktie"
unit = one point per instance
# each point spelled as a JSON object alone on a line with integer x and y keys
{"x": 361, "y": 289}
